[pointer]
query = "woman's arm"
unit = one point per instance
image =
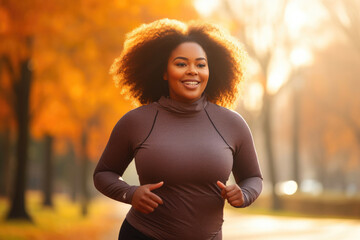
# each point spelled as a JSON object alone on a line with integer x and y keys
{"x": 113, "y": 162}
{"x": 126, "y": 136}
{"x": 246, "y": 167}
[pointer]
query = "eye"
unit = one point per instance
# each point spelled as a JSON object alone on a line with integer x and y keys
{"x": 180, "y": 64}
{"x": 201, "y": 65}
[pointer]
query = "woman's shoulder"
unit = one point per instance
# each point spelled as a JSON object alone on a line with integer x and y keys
{"x": 139, "y": 115}
{"x": 225, "y": 115}
{"x": 141, "y": 112}
{"x": 230, "y": 124}
{"x": 137, "y": 122}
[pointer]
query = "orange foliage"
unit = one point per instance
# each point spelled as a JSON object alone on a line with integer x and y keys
{"x": 74, "y": 44}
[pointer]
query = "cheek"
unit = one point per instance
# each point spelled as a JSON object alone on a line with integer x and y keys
{"x": 205, "y": 75}
{"x": 174, "y": 73}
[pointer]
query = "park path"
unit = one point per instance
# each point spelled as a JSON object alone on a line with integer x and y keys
{"x": 260, "y": 227}
{"x": 238, "y": 226}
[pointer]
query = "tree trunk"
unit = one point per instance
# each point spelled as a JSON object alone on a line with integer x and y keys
{"x": 319, "y": 161}
{"x": 22, "y": 94}
{"x": 48, "y": 172}
{"x": 5, "y": 168}
{"x": 73, "y": 172}
{"x": 267, "y": 126}
{"x": 296, "y": 138}
{"x": 84, "y": 164}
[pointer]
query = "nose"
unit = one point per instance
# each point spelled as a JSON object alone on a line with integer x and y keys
{"x": 191, "y": 70}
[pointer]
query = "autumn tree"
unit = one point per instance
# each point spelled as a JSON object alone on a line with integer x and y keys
{"x": 332, "y": 121}
{"x": 259, "y": 27}
{"x": 64, "y": 51}
{"x": 7, "y": 126}
{"x": 88, "y": 50}
{"x": 345, "y": 16}
{"x": 335, "y": 75}
{"x": 15, "y": 57}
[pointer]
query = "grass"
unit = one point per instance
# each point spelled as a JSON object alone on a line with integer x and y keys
{"x": 64, "y": 221}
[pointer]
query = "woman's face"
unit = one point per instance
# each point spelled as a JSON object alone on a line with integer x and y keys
{"x": 187, "y": 72}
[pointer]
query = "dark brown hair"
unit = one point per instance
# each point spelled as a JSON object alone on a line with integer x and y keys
{"x": 139, "y": 69}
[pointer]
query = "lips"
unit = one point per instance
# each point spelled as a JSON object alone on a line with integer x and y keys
{"x": 190, "y": 83}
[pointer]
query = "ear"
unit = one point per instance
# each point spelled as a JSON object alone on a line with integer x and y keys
{"x": 165, "y": 76}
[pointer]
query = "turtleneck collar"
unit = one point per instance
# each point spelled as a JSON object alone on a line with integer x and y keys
{"x": 180, "y": 107}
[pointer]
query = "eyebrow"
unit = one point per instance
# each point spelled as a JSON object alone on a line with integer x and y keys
{"x": 184, "y": 58}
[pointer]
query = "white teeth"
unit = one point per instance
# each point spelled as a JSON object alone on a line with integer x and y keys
{"x": 191, "y": 83}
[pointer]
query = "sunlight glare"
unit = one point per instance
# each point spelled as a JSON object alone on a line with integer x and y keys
{"x": 253, "y": 97}
{"x": 206, "y": 7}
{"x": 341, "y": 13}
{"x": 301, "y": 56}
{"x": 295, "y": 17}
{"x": 277, "y": 77}
{"x": 287, "y": 188}
{"x": 311, "y": 186}
{"x": 279, "y": 70}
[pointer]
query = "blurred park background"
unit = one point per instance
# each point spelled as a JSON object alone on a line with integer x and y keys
{"x": 58, "y": 106}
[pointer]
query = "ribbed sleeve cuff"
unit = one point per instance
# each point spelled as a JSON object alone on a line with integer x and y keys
{"x": 128, "y": 195}
{"x": 251, "y": 189}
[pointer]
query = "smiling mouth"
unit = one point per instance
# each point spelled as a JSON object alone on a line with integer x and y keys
{"x": 191, "y": 82}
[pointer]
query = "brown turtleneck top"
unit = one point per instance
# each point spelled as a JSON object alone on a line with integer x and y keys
{"x": 189, "y": 147}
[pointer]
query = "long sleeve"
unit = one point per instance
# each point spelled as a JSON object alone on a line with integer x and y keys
{"x": 127, "y": 135}
{"x": 251, "y": 188}
{"x": 246, "y": 168}
{"x": 116, "y": 157}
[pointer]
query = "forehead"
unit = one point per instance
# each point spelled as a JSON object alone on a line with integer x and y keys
{"x": 188, "y": 50}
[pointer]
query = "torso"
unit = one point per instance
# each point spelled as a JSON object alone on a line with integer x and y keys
{"x": 186, "y": 152}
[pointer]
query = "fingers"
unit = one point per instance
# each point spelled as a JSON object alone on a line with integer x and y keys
{"x": 155, "y": 186}
{"x": 145, "y": 204}
{"x": 221, "y": 185}
{"x": 145, "y": 209}
{"x": 223, "y": 188}
{"x": 232, "y": 193}
{"x": 155, "y": 198}
{"x": 236, "y": 203}
{"x": 144, "y": 200}
{"x": 229, "y": 191}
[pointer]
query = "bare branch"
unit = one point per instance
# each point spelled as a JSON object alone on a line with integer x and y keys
{"x": 241, "y": 26}
{"x": 350, "y": 29}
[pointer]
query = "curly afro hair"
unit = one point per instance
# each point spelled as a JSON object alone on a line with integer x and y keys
{"x": 139, "y": 69}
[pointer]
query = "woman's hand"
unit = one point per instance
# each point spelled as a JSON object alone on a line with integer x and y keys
{"x": 144, "y": 200}
{"x": 232, "y": 193}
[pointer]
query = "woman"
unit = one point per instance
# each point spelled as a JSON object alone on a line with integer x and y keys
{"x": 184, "y": 144}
